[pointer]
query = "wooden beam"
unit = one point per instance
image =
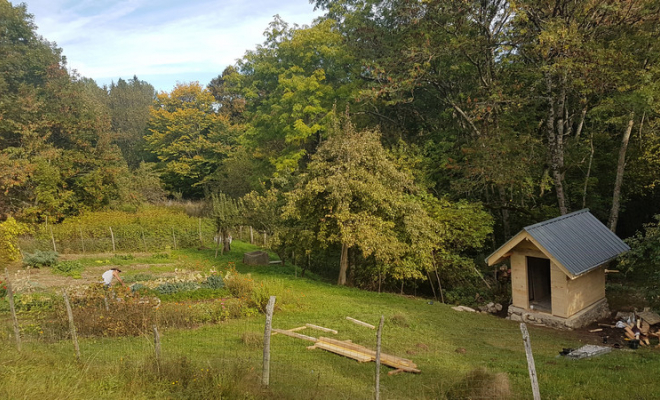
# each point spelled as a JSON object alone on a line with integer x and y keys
{"x": 356, "y": 321}
{"x": 295, "y": 335}
{"x": 320, "y": 328}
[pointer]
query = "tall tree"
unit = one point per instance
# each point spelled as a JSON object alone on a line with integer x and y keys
{"x": 129, "y": 102}
{"x": 189, "y": 137}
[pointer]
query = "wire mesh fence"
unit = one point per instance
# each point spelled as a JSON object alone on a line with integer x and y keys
{"x": 124, "y": 338}
{"x": 134, "y": 238}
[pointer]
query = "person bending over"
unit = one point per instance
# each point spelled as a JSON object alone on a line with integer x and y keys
{"x": 109, "y": 275}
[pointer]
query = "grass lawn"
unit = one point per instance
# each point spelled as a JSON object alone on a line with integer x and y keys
{"x": 224, "y": 360}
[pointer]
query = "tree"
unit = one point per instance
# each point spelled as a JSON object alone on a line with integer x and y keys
{"x": 189, "y": 137}
{"x": 227, "y": 213}
{"x": 356, "y": 195}
{"x": 290, "y": 84}
{"x": 56, "y": 157}
{"x": 129, "y": 102}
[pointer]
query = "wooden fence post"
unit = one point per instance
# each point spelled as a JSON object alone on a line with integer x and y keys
{"x": 251, "y": 236}
{"x": 265, "y": 375}
{"x": 201, "y": 240}
{"x": 10, "y": 296}
{"x": 378, "y": 341}
{"x": 156, "y": 343}
{"x": 112, "y": 235}
{"x": 265, "y": 238}
{"x": 530, "y": 362}
{"x": 52, "y": 237}
{"x": 72, "y": 326}
{"x": 144, "y": 241}
{"x": 82, "y": 240}
{"x": 173, "y": 239}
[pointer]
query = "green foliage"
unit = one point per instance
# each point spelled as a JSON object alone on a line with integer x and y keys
{"x": 175, "y": 287}
{"x": 40, "y": 258}
{"x": 150, "y": 228}
{"x": 214, "y": 282}
{"x": 73, "y": 269}
{"x": 641, "y": 264}
{"x": 3, "y": 289}
{"x": 189, "y": 137}
{"x": 10, "y": 230}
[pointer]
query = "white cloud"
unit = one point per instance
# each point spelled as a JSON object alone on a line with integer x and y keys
{"x": 158, "y": 41}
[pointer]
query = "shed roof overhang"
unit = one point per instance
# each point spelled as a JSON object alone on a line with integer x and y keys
{"x": 505, "y": 251}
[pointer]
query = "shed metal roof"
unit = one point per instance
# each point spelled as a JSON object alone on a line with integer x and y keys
{"x": 579, "y": 241}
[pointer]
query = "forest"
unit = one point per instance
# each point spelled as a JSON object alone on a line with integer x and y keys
{"x": 403, "y": 140}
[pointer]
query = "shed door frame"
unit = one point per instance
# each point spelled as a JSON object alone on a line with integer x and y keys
{"x": 539, "y": 283}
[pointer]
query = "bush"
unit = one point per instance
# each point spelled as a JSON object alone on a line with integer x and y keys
{"x": 10, "y": 230}
{"x": 3, "y": 289}
{"x": 40, "y": 258}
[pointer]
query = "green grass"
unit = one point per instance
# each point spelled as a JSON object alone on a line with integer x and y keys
{"x": 445, "y": 344}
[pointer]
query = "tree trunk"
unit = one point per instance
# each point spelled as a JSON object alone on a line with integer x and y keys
{"x": 621, "y": 165}
{"x": 505, "y": 213}
{"x": 555, "y": 131}
{"x": 343, "y": 265}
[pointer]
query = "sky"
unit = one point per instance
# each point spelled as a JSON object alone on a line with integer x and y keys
{"x": 163, "y": 42}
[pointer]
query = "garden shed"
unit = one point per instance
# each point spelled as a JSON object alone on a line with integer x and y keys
{"x": 558, "y": 270}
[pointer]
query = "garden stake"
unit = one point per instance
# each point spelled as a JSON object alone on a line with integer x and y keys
{"x": 72, "y": 326}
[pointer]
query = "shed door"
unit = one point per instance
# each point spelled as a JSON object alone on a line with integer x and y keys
{"x": 538, "y": 278}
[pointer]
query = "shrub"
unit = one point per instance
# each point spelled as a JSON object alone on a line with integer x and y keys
{"x": 40, "y": 258}
{"x": 3, "y": 289}
{"x": 10, "y": 230}
{"x": 399, "y": 320}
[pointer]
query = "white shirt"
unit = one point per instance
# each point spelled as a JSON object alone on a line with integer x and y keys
{"x": 107, "y": 277}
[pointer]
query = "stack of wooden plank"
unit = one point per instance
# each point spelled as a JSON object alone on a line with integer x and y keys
{"x": 363, "y": 354}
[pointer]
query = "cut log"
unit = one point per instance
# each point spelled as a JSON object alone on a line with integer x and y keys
{"x": 295, "y": 335}
{"x": 607, "y": 325}
{"x": 320, "y": 328}
{"x": 596, "y": 330}
{"x": 356, "y": 321}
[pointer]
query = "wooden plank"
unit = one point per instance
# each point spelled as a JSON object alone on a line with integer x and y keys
{"x": 361, "y": 357}
{"x": 650, "y": 317}
{"x": 300, "y": 328}
{"x": 395, "y": 371}
{"x": 320, "y": 328}
{"x": 295, "y": 335}
{"x": 384, "y": 357}
{"x": 357, "y": 321}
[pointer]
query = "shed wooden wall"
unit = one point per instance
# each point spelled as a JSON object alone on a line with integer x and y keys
{"x": 585, "y": 290}
{"x": 559, "y": 291}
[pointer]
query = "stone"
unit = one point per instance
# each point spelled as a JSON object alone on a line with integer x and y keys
{"x": 498, "y": 307}
{"x": 256, "y": 258}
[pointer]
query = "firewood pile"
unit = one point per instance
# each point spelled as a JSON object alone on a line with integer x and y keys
{"x": 639, "y": 328}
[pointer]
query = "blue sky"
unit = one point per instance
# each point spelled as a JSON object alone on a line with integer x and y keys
{"x": 161, "y": 41}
